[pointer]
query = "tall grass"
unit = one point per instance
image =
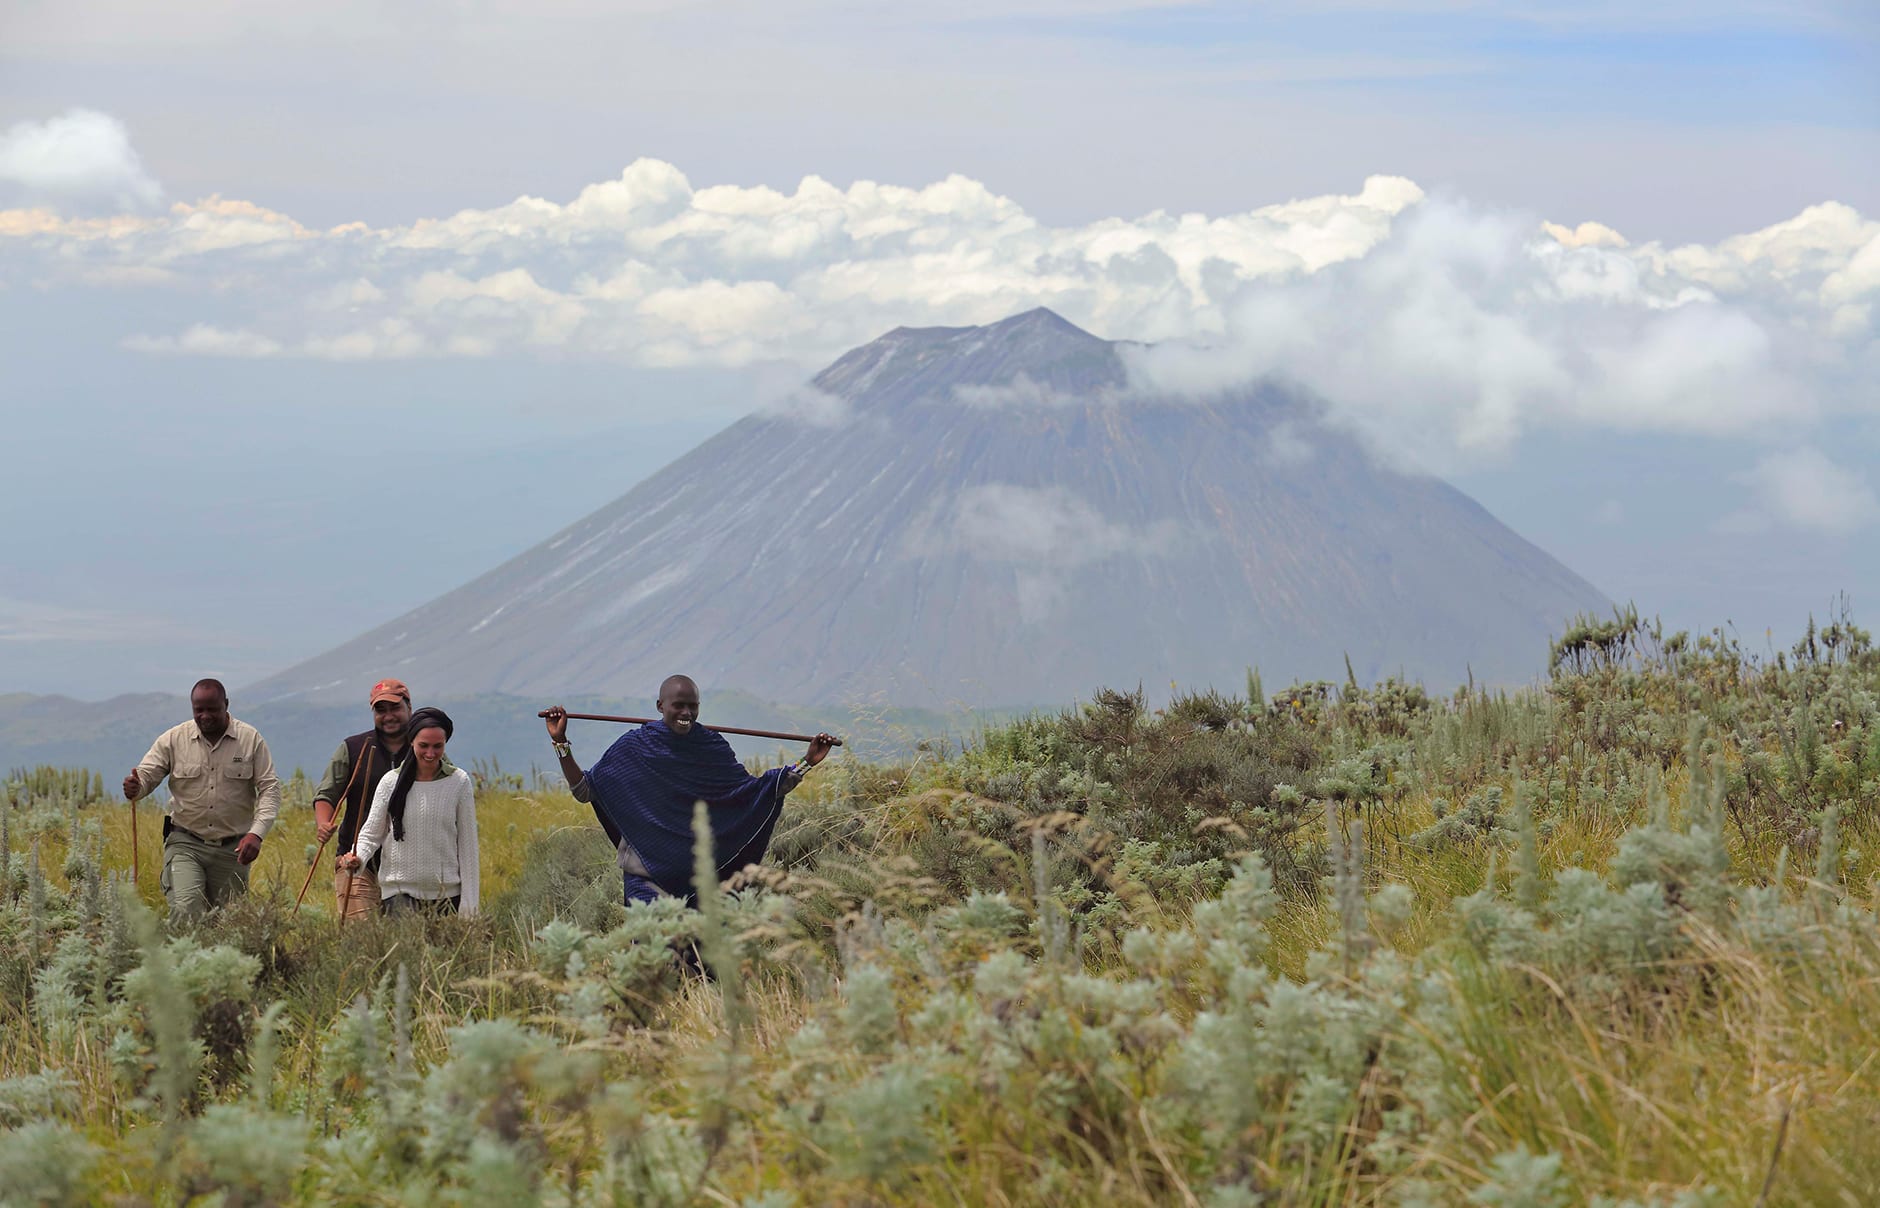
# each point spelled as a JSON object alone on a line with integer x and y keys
{"x": 1611, "y": 941}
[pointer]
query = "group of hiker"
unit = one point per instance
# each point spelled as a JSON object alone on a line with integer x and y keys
{"x": 404, "y": 816}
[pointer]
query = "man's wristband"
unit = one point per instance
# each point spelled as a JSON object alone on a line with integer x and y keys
{"x": 563, "y": 749}
{"x": 801, "y": 768}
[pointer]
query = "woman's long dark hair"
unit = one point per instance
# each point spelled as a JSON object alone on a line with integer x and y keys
{"x": 424, "y": 719}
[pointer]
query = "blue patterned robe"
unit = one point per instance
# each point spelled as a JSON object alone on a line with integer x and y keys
{"x": 645, "y": 786}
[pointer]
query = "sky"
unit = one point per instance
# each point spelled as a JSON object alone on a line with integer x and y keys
{"x": 309, "y": 313}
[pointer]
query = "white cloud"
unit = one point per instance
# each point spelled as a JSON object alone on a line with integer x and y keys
{"x": 649, "y": 270}
{"x": 1804, "y": 488}
{"x": 1021, "y": 391}
{"x": 1441, "y": 330}
{"x": 348, "y": 296}
{"x": 81, "y": 158}
{"x": 1042, "y": 532}
{"x": 1286, "y": 445}
{"x": 1005, "y": 522}
{"x": 1468, "y": 328}
{"x": 811, "y": 407}
{"x": 391, "y": 338}
{"x": 204, "y": 339}
{"x": 1587, "y": 234}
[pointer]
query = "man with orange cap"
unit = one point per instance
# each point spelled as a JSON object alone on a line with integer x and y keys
{"x": 345, "y": 792}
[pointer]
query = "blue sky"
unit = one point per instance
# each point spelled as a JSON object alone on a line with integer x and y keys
{"x": 186, "y": 505}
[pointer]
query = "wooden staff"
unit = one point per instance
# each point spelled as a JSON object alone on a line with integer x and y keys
{"x": 317, "y": 852}
{"x": 311, "y": 869}
{"x": 134, "y": 840}
{"x": 640, "y": 721}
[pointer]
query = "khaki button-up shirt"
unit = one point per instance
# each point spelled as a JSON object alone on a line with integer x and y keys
{"x": 216, "y": 789}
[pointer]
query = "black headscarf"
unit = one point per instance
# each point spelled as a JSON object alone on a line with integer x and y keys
{"x": 422, "y": 719}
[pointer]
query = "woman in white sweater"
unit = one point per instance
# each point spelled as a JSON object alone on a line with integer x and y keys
{"x": 431, "y": 862}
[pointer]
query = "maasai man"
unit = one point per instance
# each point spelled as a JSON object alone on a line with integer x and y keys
{"x": 644, "y": 787}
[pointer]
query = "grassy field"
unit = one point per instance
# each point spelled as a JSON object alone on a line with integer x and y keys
{"x": 1611, "y": 941}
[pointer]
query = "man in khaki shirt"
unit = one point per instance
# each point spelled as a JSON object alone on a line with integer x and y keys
{"x": 224, "y": 797}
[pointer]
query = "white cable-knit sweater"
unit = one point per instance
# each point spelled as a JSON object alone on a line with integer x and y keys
{"x": 437, "y": 858}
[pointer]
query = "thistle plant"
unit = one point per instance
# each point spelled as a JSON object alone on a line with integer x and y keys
{"x": 168, "y": 1018}
{"x": 1347, "y": 885}
{"x": 35, "y": 904}
{"x": 264, "y": 1055}
{"x": 1528, "y": 889}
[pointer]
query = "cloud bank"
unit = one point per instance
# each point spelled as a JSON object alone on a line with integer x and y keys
{"x": 650, "y": 270}
{"x": 1467, "y": 328}
{"x": 1441, "y": 330}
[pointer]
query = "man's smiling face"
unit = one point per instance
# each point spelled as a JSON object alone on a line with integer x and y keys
{"x": 678, "y": 704}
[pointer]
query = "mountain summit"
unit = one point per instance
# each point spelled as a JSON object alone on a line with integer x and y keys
{"x": 1038, "y": 346}
{"x": 983, "y": 515}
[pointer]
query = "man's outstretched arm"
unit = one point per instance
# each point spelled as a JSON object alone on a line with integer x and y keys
{"x": 819, "y": 748}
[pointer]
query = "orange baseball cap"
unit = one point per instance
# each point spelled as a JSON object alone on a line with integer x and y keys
{"x": 389, "y": 689}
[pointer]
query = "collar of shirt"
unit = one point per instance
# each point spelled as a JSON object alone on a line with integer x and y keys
{"x": 202, "y": 738}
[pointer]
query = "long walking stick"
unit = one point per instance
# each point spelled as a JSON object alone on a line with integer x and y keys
{"x": 134, "y": 840}
{"x": 311, "y": 869}
{"x": 640, "y": 721}
{"x": 314, "y": 867}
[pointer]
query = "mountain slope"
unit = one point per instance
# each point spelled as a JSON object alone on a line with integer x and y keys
{"x": 979, "y": 515}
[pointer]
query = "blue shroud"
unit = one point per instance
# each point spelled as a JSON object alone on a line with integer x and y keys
{"x": 647, "y": 782}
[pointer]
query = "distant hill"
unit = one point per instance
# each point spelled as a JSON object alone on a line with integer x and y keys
{"x": 111, "y": 736}
{"x": 985, "y": 515}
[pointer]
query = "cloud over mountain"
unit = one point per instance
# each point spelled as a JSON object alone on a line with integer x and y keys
{"x": 1441, "y": 330}
{"x": 1467, "y": 328}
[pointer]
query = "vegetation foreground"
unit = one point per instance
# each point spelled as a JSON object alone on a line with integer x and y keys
{"x": 1610, "y": 941}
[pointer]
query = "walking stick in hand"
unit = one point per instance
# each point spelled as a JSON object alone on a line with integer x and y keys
{"x": 133, "y": 789}
{"x": 318, "y": 851}
{"x": 311, "y": 869}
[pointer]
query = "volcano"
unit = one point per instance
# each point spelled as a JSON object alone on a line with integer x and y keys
{"x": 990, "y": 516}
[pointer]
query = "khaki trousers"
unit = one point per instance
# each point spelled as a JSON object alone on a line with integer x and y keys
{"x": 199, "y": 875}
{"x": 356, "y": 893}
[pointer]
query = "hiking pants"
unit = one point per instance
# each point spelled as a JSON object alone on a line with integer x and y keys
{"x": 199, "y": 874}
{"x": 356, "y": 894}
